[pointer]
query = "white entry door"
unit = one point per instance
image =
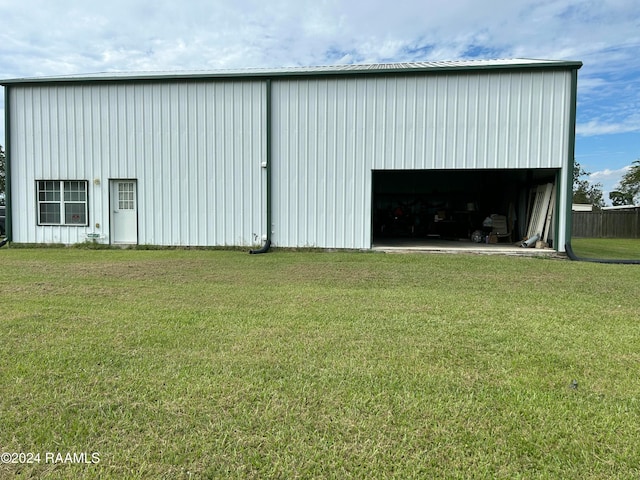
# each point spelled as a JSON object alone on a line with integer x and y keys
{"x": 124, "y": 212}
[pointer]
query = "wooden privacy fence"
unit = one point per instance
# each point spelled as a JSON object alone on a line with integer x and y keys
{"x": 607, "y": 224}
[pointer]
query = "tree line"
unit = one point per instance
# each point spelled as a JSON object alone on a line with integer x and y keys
{"x": 627, "y": 191}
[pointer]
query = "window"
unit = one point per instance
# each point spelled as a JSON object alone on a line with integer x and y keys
{"x": 62, "y": 202}
{"x": 126, "y": 196}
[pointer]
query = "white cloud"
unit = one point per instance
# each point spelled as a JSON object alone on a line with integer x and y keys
{"x": 597, "y": 127}
{"x": 607, "y": 175}
{"x": 40, "y": 37}
{"x": 608, "y": 179}
{"x": 80, "y": 36}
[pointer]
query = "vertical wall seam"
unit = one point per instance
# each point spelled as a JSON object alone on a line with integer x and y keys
{"x": 8, "y": 155}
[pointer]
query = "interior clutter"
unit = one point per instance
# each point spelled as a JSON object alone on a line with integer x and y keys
{"x": 480, "y": 208}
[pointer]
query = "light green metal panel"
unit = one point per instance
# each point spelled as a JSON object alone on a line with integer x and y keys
{"x": 330, "y": 133}
{"x": 321, "y": 173}
{"x": 195, "y": 148}
{"x": 469, "y": 121}
{"x": 196, "y": 143}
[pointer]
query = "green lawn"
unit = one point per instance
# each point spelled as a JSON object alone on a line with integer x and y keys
{"x": 212, "y": 364}
{"x": 608, "y": 248}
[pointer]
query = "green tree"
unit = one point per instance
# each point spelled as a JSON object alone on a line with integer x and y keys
{"x": 619, "y": 198}
{"x": 585, "y": 191}
{"x": 3, "y": 166}
{"x": 628, "y": 189}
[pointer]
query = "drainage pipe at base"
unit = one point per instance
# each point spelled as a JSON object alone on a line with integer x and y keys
{"x": 573, "y": 256}
{"x": 264, "y": 249}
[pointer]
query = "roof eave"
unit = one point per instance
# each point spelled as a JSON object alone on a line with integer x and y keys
{"x": 350, "y": 70}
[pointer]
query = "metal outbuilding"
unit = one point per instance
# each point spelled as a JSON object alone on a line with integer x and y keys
{"x": 328, "y": 157}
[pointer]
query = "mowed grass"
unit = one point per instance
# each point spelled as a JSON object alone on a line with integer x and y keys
{"x": 607, "y": 248}
{"x": 212, "y": 364}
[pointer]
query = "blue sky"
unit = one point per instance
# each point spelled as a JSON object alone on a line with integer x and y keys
{"x": 41, "y": 37}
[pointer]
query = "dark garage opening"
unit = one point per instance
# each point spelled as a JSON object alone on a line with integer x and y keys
{"x": 451, "y": 204}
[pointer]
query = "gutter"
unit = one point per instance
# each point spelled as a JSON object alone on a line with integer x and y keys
{"x": 267, "y": 244}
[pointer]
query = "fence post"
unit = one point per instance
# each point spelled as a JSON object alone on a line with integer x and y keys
{"x": 601, "y": 226}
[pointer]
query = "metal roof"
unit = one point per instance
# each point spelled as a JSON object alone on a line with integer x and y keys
{"x": 354, "y": 69}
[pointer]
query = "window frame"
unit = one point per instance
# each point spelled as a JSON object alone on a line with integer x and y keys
{"x": 63, "y": 193}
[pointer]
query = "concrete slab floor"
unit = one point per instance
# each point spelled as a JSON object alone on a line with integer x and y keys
{"x": 437, "y": 245}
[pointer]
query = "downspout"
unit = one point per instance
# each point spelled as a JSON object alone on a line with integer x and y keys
{"x": 267, "y": 243}
{"x": 7, "y": 177}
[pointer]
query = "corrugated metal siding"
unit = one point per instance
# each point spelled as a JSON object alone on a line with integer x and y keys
{"x": 330, "y": 133}
{"x": 196, "y": 149}
{"x": 319, "y": 168}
